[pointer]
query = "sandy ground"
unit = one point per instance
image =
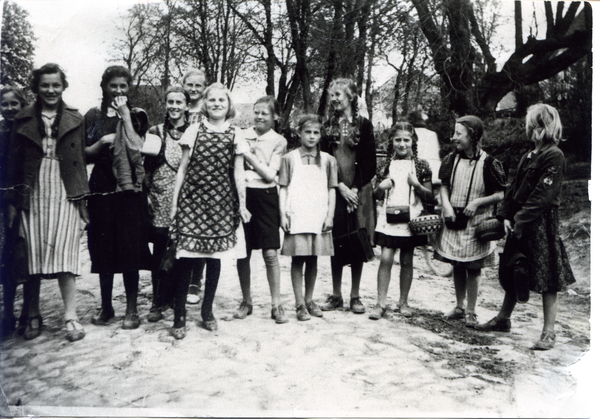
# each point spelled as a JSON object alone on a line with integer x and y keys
{"x": 341, "y": 365}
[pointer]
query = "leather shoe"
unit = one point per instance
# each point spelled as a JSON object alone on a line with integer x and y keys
{"x": 455, "y": 314}
{"x": 131, "y": 321}
{"x": 178, "y": 332}
{"x": 494, "y": 325}
{"x": 357, "y": 306}
{"x": 313, "y": 309}
{"x": 471, "y": 320}
{"x": 34, "y": 327}
{"x": 103, "y": 316}
{"x": 333, "y": 303}
{"x": 278, "y": 314}
{"x": 209, "y": 324}
{"x": 547, "y": 341}
{"x": 155, "y": 314}
{"x": 302, "y": 313}
{"x": 243, "y": 310}
{"x": 377, "y": 313}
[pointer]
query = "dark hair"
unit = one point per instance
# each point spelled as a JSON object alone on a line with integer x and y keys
{"x": 402, "y": 126}
{"x": 474, "y": 127}
{"x": 310, "y": 118}
{"x": 166, "y": 123}
{"x": 273, "y": 106}
{"x": 16, "y": 91}
{"x": 49, "y": 68}
{"x": 178, "y": 89}
{"x": 109, "y": 74}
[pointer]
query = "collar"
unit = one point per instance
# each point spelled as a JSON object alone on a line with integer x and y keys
{"x": 475, "y": 157}
{"x": 215, "y": 128}
{"x": 251, "y": 134}
{"x": 304, "y": 153}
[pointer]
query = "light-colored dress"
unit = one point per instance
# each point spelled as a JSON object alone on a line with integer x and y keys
{"x": 52, "y": 227}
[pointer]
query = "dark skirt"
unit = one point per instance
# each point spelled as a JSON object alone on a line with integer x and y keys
{"x": 362, "y": 217}
{"x": 396, "y": 242}
{"x": 262, "y": 232}
{"x": 118, "y": 232}
{"x": 549, "y": 267}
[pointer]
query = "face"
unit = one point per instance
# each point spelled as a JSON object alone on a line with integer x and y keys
{"x": 176, "y": 105}
{"x": 217, "y": 105}
{"x": 339, "y": 99}
{"x": 264, "y": 119}
{"x": 402, "y": 142}
{"x": 310, "y": 135}
{"x": 117, "y": 86}
{"x": 461, "y": 138}
{"x": 9, "y": 106}
{"x": 50, "y": 90}
{"x": 194, "y": 85}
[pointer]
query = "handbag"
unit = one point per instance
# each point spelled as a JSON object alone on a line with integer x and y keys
{"x": 425, "y": 224}
{"x": 513, "y": 271}
{"x": 461, "y": 220}
{"x": 399, "y": 214}
{"x": 489, "y": 229}
{"x": 168, "y": 260}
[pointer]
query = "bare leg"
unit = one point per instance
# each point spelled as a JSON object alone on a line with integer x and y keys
{"x": 472, "y": 287}
{"x": 384, "y": 273}
{"x": 550, "y": 304}
{"x": 68, "y": 289}
{"x": 297, "y": 265}
{"x": 310, "y": 277}
{"x": 406, "y": 274}
{"x": 273, "y": 275}
{"x": 243, "y": 268}
{"x": 460, "y": 286}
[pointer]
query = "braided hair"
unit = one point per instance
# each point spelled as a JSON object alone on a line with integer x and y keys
{"x": 34, "y": 85}
{"x": 391, "y": 153}
{"x": 332, "y": 126}
{"x": 110, "y": 73}
{"x": 167, "y": 122}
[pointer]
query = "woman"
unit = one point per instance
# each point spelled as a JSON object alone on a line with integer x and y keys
{"x": 530, "y": 216}
{"x": 49, "y": 182}
{"x": 349, "y": 138}
{"x": 117, "y": 234}
{"x": 472, "y": 182}
{"x": 12, "y": 100}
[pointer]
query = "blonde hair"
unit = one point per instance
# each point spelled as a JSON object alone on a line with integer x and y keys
{"x": 218, "y": 86}
{"x": 542, "y": 123}
{"x": 193, "y": 72}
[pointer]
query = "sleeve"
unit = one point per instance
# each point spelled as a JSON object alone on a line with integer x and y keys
{"x": 423, "y": 171}
{"x": 497, "y": 177}
{"x": 366, "y": 157}
{"x": 188, "y": 139}
{"x": 278, "y": 152}
{"x": 549, "y": 182}
{"x": 332, "y": 172}
{"x": 506, "y": 209}
{"x": 241, "y": 146}
{"x": 285, "y": 171}
{"x": 446, "y": 169}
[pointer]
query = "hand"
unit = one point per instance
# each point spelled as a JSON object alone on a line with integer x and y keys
{"x": 246, "y": 215}
{"x": 518, "y": 231}
{"x": 12, "y": 215}
{"x": 350, "y": 195}
{"x": 508, "y": 227}
{"x": 471, "y": 208}
{"x": 412, "y": 180}
{"x": 285, "y": 223}
{"x": 173, "y": 212}
{"x": 83, "y": 211}
{"x": 108, "y": 139}
{"x": 448, "y": 213}
{"x": 386, "y": 184}
{"x": 350, "y": 208}
{"x": 328, "y": 224}
{"x": 120, "y": 104}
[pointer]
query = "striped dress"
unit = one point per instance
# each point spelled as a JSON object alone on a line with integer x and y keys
{"x": 52, "y": 227}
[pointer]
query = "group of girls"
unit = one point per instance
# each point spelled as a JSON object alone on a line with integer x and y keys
{"x": 218, "y": 192}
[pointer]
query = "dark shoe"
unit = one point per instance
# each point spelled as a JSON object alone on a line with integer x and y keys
{"x": 333, "y": 303}
{"x": 314, "y": 309}
{"x": 210, "y": 324}
{"x": 22, "y": 325}
{"x": 243, "y": 310}
{"x": 455, "y": 314}
{"x": 103, "y": 317}
{"x": 131, "y": 321}
{"x": 357, "y": 306}
{"x": 302, "y": 313}
{"x": 155, "y": 314}
{"x": 377, "y": 313}
{"x": 471, "y": 320}
{"x": 34, "y": 327}
{"x": 178, "y": 332}
{"x": 547, "y": 341}
{"x": 278, "y": 315}
{"x": 75, "y": 331}
{"x": 8, "y": 325}
{"x": 494, "y": 325}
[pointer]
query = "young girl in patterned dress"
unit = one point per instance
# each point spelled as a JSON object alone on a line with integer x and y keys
{"x": 160, "y": 181}
{"x": 308, "y": 178}
{"x": 406, "y": 182}
{"x": 206, "y": 211}
{"x": 261, "y": 163}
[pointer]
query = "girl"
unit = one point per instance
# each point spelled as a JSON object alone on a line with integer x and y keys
{"x": 117, "y": 233}
{"x": 349, "y": 138}
{"x": 472, "y": 182}
{"x": 262, "y": 161}
{"x": 530, "y": 216}
{"x": 194, "y": 82}
{"x": 49, "y": 182}
{"x": 205, "y": 208}
{"x": 12, "y": 100}
{"x": 160, "y": 180}
{"x": 308, "y": 178}
{"x": 408, "y": 184}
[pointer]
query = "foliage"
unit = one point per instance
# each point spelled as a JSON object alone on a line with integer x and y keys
{"x": 17, "y": 39}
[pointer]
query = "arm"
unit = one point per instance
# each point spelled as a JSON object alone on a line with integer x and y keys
{"x": 447, "y": 210}
{"x": 185, "y": 159}
{"x": 423, "y": 190}
{"x": 93, "y": 151}
{"x": 328, "y": 224}
{"x": 285, "y": 220}
{"x": 240, "y": 184}
{"x": 472, "y": 207}
{"x": 268, "y": 171}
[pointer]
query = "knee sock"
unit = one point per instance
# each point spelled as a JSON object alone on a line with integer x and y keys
{"x": 106, "y": 286}
{"x": 213, "y": 272}
{"x": 131, "y": 281}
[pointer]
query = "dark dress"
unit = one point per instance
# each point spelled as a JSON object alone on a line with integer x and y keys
{"x": 119, "y": 224}
{"x": 357, "y": 165}
{"x": 532, "y": 202}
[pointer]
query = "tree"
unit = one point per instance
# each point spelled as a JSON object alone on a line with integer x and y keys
{"x": 16, "y": 52}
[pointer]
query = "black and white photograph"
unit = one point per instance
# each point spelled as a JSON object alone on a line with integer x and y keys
{"x": 296, "y": 208}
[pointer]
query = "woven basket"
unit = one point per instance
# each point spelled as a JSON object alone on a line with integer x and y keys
{"x": 425, "y": 224}
{"x": 489, "y": 229}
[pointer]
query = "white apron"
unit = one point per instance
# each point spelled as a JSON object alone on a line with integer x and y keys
{"x": 308, "y": 197}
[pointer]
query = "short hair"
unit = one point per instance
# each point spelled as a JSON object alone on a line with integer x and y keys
{"x": 178, "y": 89}
{"x": 222, "y": 87}
{"x": 115, "y": 71}
{"x": 16, "y": 91}
{"x": 544, "y": 121}
{"x": 49, "y": 68}
{"x": 272, "y": 104}
{"x": 193, "y": 72}
{"x": 402, "y": 127}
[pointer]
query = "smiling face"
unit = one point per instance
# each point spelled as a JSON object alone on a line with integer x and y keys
{"x": 339, "y": 99}
{"x": 194, "y": 85}
{"x": 50, "y": 90}
{"x": 264, "y": 119}
{"x": 462, "y": 139}
{"x": 10, "y": 105}
{"x": 117, "y": 86}
{"x": 402, "y": 141}
{"x": 310, "y": 134}
{"x": 176, "y": 106}
{"x": 217, "y": 105}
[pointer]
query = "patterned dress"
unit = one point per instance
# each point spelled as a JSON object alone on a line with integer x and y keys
{"x": 52, "y": 227}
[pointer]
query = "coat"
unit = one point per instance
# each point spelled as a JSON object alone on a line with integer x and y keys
{"x": 26, "y": 153}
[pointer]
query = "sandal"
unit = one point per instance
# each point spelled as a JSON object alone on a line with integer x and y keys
{"x": 75, "y": 331}
{"x": 33, "y": 328}
{"x": 405, "y": 310}
{"x": 377, "y": 313}
{"x": 547, "y": 341}
{"x": 455, "y": 314}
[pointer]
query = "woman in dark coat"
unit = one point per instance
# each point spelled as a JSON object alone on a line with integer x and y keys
{"x": 530, "y": 216}
{"x": 349, "y": 138}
